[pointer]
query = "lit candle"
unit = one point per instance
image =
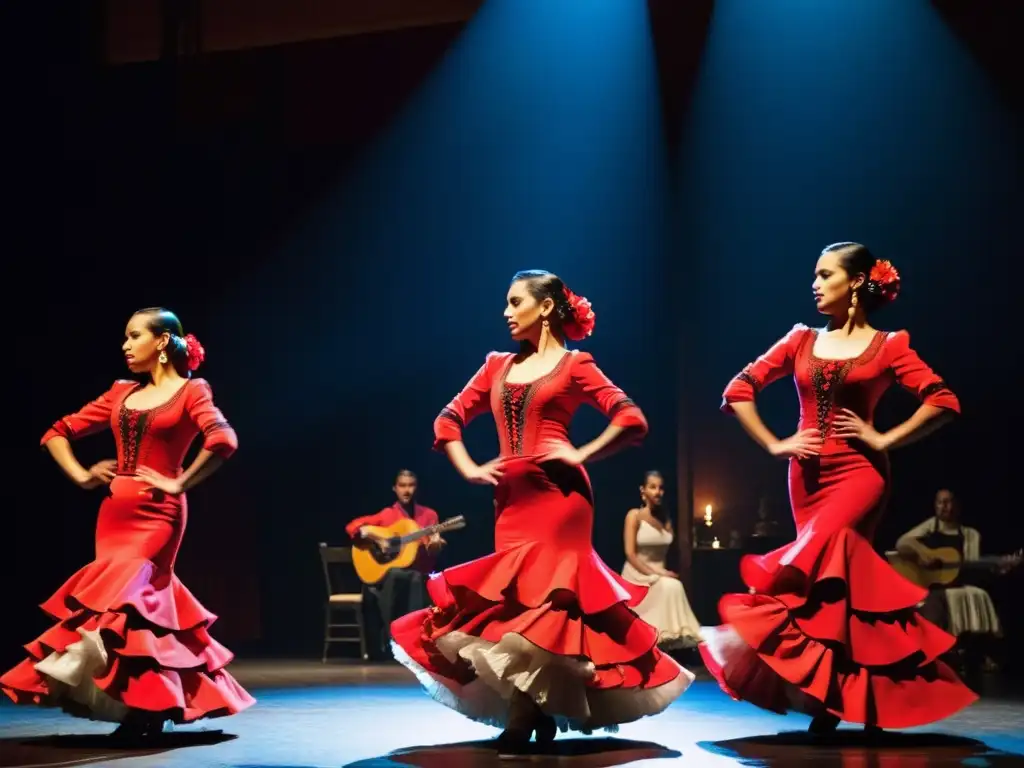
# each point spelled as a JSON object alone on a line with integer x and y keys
{"x": 716, "y": 544}
{"x": 707, "y": 515}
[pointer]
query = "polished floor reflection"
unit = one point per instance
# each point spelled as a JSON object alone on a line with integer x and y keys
{"x": 310, "y": 715}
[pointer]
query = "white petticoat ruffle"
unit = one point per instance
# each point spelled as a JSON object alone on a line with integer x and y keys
{"x": 72, "y": 673}
{"x": 558, "y": 684}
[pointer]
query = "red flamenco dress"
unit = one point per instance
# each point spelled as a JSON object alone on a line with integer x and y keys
{"x": 828, "y": 625}
{"x": 543, "y": 615}
{"x": 130, "y": 638}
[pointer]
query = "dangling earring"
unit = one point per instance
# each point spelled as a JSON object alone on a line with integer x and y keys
{"x": 853, "y": 305}
{"x": 163, "y": 357}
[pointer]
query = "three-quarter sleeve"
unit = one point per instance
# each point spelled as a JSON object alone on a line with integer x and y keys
{"x": 218, "y": 436}
{"x": 777, "y": 362}
{"x": 914, "y": 375}
{"x": 93, "y": 417}
{"x": 598, "y": 390}
{"x": 473, "y": 400}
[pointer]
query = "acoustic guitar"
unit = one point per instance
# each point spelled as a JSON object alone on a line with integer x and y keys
{"x": 948, "y": 567}
{"x": 403, "y": 539}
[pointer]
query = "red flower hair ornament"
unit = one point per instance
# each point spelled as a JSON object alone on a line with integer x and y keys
{"x": 884, "y": 280}
{"x": 581, "y": 323}
{"x": 195, "y": 352}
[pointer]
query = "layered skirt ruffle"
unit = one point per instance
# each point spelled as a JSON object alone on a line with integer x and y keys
{"x": 554, "y": 623}
{"x": 829, "y": 625}
{"x": 127, "y": 638}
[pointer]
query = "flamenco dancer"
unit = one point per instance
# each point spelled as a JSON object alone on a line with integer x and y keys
{"x": 829, "y": 628}
{"x": 131, "y": 644}
{"x": 541, "y": 635}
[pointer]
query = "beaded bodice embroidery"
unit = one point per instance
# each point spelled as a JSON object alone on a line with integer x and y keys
{"x": 828, "y": 378}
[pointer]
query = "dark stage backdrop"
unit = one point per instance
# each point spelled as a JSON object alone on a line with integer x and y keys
{"x": 344, "y": 264}
{"x": 906, "y": 145}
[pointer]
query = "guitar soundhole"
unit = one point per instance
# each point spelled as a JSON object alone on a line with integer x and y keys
{"x": 394, "y": 550}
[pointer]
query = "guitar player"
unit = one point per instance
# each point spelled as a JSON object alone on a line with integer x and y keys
{"x": 402, "y": 590}
{"x": 959, "y": 608}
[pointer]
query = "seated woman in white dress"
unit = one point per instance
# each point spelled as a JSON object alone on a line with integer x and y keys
{"x": 647, "y": 537}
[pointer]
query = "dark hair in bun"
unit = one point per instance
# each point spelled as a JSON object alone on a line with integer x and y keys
{"x": 881, "y": 280}
{"x": 542, "y": 284}
{"x": 161, "y": 321}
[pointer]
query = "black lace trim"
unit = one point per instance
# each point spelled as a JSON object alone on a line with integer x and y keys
{"x": 514, "y": 399}
{"x": 934, "y": 388}
{"x": 448, "y": 413}
{"x": 747, "y": 376}
{"x": 214, "y": 426}
{"x": 133, "y": 426}
{"x": 827, "y": 377}
{"x": 626, "y": 402}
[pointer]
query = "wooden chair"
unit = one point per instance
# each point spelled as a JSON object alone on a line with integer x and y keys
{"x": 344, "y": 597}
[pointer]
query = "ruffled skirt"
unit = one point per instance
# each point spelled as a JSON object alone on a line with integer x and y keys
{"x": 543, "y": 615}
{"x": 122, "y": 644}
{"x": 129, "y": 635}
{"x": 828, "y": 624}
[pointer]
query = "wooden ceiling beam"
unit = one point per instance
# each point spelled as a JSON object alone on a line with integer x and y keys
{"x": 133, "y": 28}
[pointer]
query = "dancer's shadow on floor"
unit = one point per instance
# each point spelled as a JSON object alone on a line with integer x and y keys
{"x": 83, "y": 749}
{"x": 854, "y": 747}
{"x": 585, "y": 753}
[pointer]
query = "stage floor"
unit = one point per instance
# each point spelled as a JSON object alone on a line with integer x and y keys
{"x": 374, "y": 715}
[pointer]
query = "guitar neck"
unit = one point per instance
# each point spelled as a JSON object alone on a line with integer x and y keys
{"x": 451, "y": 524}
{"x": 420, "y": 534}
{"x": 986, "y": 560}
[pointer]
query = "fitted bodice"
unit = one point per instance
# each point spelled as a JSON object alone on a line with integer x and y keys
{"x": 827, "y": 386}
{"x": 534, "y": 417}
{"x": 652, "y": 545}
{"x": 158, "y": 437}
{"x": 152, "y": 437}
